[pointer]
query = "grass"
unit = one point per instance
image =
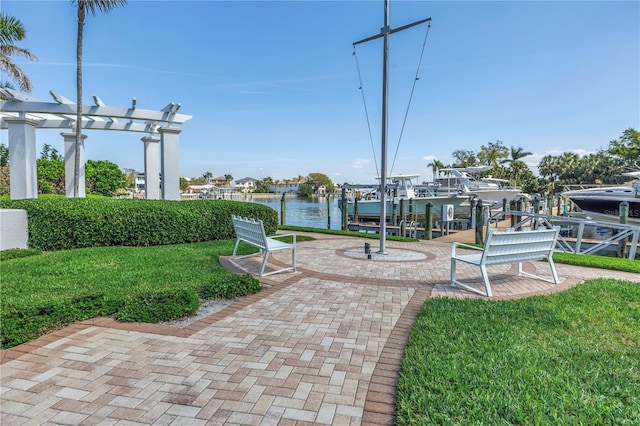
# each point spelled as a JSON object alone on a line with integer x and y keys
{"x": 567, "y": 358}
{"x": 43, "y": 292}
{"x": 603, "y": 262}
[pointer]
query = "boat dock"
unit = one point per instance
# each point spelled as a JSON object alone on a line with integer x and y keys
{"x": 577, "y": 235}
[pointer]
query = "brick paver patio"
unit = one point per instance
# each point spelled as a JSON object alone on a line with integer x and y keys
{"x": 319, "y": 346}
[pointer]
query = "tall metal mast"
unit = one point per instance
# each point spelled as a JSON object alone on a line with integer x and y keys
{"x": 385, "y": 31}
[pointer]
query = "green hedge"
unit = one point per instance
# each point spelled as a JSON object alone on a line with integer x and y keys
{"x": 68, "y": 223}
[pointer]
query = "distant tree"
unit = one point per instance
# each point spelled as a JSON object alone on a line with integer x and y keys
{"x": 516, "y": 165}
{"x": 184, "y": 183}
{"x": 130, "y": 176}
{"x": 4, "y": 155}
{"x": 50, "y": 171}
{"x": 464, "y": 158}
{"x": 84, "y": 6}
{"x": 627, "y": 148}
{"x": 104, "y": 177}
{"x": 11, "y": 31}
{"x": 228, "y": 178}
{"x": 492, "y": 153}
{"x": 568, "y": 167}
{"x": 435, "y": 166}
{"x": 206, "y": 176}
{"x": 264, "y": 185}
{"x": 549, "y": 168}
{"x": 305, "y": 190}
{"x": 4, "y": 170}
{"x": 600, "y": 168}
{"x": 316, "y": 180}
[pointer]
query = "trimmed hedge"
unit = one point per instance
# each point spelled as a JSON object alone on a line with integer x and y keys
{"x": 68, "y": 223}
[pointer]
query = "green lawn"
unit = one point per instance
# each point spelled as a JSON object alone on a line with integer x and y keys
{"x": 43, "y": 292}
{"x": 567, "y": 358}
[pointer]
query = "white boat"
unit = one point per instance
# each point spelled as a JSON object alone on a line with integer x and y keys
{"x": 400, "y": 188}
{"x": 604, "y": 202}
{"x": 460, "y": 181}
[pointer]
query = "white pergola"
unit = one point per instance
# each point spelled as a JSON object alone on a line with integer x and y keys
{"x": 22, "y": 115}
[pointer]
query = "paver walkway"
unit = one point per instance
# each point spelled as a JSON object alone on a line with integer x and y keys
{"x": 319, "y": 346}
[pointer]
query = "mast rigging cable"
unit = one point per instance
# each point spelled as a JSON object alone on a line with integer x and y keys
{"x": 416, "y": 78}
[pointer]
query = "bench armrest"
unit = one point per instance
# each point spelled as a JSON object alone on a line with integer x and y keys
{"x": 284, "y": 235}
{"x": 462, "y": 245}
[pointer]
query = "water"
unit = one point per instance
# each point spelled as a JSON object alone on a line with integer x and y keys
{"x": 310, "y": 212}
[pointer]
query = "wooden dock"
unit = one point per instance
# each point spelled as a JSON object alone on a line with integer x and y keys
{"x": 469, "y": 236}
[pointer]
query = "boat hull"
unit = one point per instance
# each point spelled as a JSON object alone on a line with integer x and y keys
{"x": 607, "y": 208}
{"x": 492, "y": 196}
{"x": 369, "y": 210}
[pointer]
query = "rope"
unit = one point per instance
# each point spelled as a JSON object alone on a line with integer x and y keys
{"x": 366, "y": 112}
{"x": 406, "y": 114}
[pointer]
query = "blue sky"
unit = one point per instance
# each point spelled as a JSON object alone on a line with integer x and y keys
{"x": 273, "y": 86}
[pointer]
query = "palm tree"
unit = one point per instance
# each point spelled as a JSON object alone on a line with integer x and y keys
{"x": 435, "y": 166}
{"x": 516, "y": 169}
{"x": 549, "y": 167}
{"x": 84, "y": 6}
{"x": 12, "y": 30}
{"x": 568, "y": 163}
{"x": 207, "y": 177}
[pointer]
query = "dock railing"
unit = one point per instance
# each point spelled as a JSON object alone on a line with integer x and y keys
{"x": 621, "y": 233}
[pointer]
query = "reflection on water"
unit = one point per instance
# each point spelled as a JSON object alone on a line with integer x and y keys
{"x": 310, "y": 212}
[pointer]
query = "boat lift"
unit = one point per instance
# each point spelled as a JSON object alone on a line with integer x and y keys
{"x": 621, "y": 232}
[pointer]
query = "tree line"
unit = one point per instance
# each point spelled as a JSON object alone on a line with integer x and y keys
{"x": 101, "y": 177}
{"x": 606, "y": 166}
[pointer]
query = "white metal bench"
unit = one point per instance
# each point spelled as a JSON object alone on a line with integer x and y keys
{"x": 508, "y": 246}
{"x": 251, "y": 231}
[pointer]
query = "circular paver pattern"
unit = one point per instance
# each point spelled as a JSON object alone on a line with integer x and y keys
{"x": 391, "y": 255}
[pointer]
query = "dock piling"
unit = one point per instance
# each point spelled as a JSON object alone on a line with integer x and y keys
{"x": 428, "y": 221}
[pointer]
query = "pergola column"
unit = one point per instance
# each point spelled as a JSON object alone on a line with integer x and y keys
{"x": 70, "y": 165}
{"x": 151, "y": 167}
{"x": 170, "y": 162}
{"x": 22, "y": 157}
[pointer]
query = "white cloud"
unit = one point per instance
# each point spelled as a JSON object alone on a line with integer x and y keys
{"x": 360, "y": 163}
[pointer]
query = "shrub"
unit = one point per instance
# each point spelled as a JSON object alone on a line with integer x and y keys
{"x": 18, "y": 253}
{"x": 230, "y": 286}
{"x": 67, "y": 223}
{"x": 159, "y": 305}
{"x": 35, "y": 316}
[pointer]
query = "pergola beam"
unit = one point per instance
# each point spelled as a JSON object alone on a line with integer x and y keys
{"x": 101, "y": 111}
{"x": 22, "y": 115}
{"x": 91, "y": 124}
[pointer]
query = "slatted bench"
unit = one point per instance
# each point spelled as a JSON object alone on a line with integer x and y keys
{"x": 251, "y": 231}
{"x": 508, "y": 246}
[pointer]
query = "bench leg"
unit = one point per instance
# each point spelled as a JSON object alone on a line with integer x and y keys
{"x": 264, "y": 262}
{"x": 485, "y": 278}
{"x": 553, "y": 270}
{"x": 453, "y": 271}
{"x": 235, "y": 249}
{"x": 293, "y": 257}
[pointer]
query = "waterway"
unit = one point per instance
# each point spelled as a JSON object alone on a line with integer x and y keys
{"x": 310, "y": 212}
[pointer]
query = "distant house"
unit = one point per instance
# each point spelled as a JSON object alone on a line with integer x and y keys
{"x": 287, "y": 186}
{"x": 219, "y": 181}
{"x": 247, "y": 184}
